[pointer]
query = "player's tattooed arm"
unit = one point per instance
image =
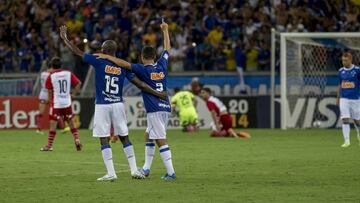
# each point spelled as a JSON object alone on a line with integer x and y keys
{"x": 68, "y": 43}
{"x": 117, "y": 61}
{"x": 164, "y": 27}
{"x": 76, "y": 90}
{"x": 50, "y": 93}
{"x": 216, "y": 119}
{"x": 141, "y": 85}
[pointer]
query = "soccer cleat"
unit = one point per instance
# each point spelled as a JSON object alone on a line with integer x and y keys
{"x": 78, "y": 145}
{"x": 243, "y": 134}
{"x": 46, "y": 149}
{"x": 108, "y": 178}
{"x": 40, "y": 132}
{"x": 137, "y": 175}
{"x": 346, "y": 144}
{"x": 65, "y": 130}
{"x": 169, "y": 177}
{"x": 145, "y": 172}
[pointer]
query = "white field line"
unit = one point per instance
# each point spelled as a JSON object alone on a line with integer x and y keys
{"x": 62, "y": 161}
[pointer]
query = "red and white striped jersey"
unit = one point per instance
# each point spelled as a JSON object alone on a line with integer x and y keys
{"x": 60, "y": 82}
{"x": 43, "y": 77}
{"x": 215, "y": 104}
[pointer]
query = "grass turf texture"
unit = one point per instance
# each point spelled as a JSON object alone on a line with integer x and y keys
{"x": 272, "y": 166}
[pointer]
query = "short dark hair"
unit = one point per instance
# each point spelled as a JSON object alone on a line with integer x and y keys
{"x": 148, "y": 53}
{"x": 109, "y": 47}
{"x": 347, "y": 55}
{"x": 177, "y": 89}
{"x": 55, "y": 63}
{"x": 206, "y": 89}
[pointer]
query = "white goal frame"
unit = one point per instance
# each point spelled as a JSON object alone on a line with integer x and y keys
{"x": 283, "y": 60}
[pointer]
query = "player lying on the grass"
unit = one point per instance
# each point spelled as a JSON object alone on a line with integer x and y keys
{"x": 222, "y": 120}
{"x": 158, "y": 110}
{"x": 109, "y": 106}
{"x": 186, "y": 102}
{"x": 348, "y": 97}
{"x": 44, "y": 101}
{"x": 59, "y": 85}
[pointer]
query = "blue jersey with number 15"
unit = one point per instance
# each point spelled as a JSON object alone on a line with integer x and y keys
{"x": 109, "y": 80}
{"x": 154, "y": 75}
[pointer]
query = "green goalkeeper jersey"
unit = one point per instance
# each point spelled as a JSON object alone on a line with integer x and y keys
{"x": 184, "y": 102}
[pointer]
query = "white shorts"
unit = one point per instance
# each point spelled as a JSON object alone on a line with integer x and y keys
{"x": 107, "y": 115}
{"x": 350, "y": 108}
{"x": 43, "y": 95}
{"x": 156, "y": 124}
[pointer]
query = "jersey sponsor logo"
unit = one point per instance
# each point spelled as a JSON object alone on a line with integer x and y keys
{"x": 111, "y": 98}
{"x": 157, "y": 76}
{"x": 112, "y": 70}
{"x": 164, "y": 105}
{"x": 347, "y": 85}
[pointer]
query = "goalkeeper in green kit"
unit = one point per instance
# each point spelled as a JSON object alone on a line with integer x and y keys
{"x": 185, "y": 102}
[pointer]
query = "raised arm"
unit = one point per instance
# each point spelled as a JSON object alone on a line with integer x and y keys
{"x": 141, "y": 85}
{"x": 164, "y": 27}
{"x": 117, "y": 61}
{"x": 72, "y": 47}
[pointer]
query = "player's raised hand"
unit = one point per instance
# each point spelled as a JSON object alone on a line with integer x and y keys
{"x": 63, "y": 31}
{"x": 101, "y": 56}
{"x": 164, "y": 26}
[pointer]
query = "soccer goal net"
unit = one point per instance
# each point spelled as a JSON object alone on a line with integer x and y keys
{"x": 308, "y": 76}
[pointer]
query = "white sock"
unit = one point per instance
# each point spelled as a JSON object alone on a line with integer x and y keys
{"x": 165, "y": 155}
{"x": 149, "y": 154}
{"x": 130, "y": 154}
{"x": 346, "y": 132}
{"x": 357, "y": 130}
{"x": 108, "y": 161}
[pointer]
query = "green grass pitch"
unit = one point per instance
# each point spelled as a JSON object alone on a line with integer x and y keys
{"x": 272, "y": 166}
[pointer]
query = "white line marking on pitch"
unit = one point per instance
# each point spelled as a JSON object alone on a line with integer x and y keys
{"x": 63, "y": 161}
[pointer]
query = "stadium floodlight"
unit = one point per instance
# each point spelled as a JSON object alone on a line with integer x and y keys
{"x": 306, "y": 62}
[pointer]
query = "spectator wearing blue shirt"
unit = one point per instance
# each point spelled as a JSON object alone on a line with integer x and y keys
{"x": 240, "y": 58}
{"x": 264, "y": 57}
{"x": 189, "y": 59}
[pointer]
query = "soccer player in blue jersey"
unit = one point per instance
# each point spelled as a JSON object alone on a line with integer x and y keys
{"x": 158, "y": 110}
{"x": 109, "y": 107}
{"x": 348, "y": 96}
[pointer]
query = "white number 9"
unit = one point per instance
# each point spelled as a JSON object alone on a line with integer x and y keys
{"x": 159, "y": 87}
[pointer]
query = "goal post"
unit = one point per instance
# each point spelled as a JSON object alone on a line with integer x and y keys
{"x": 306, "y": 61}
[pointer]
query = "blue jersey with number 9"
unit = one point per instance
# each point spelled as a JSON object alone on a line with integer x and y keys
{"x": 109, "y": 80}
{"x": 154, "y": 75}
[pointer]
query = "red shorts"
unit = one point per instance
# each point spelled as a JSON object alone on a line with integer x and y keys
{"x": 226, "y": 121}
{"x": 56, "y": 114}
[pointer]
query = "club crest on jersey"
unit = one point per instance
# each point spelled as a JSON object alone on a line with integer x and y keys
{"x": 347, "y": 85}
{"x": 157, "y": 76}
{"x": 112, "y": 70}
